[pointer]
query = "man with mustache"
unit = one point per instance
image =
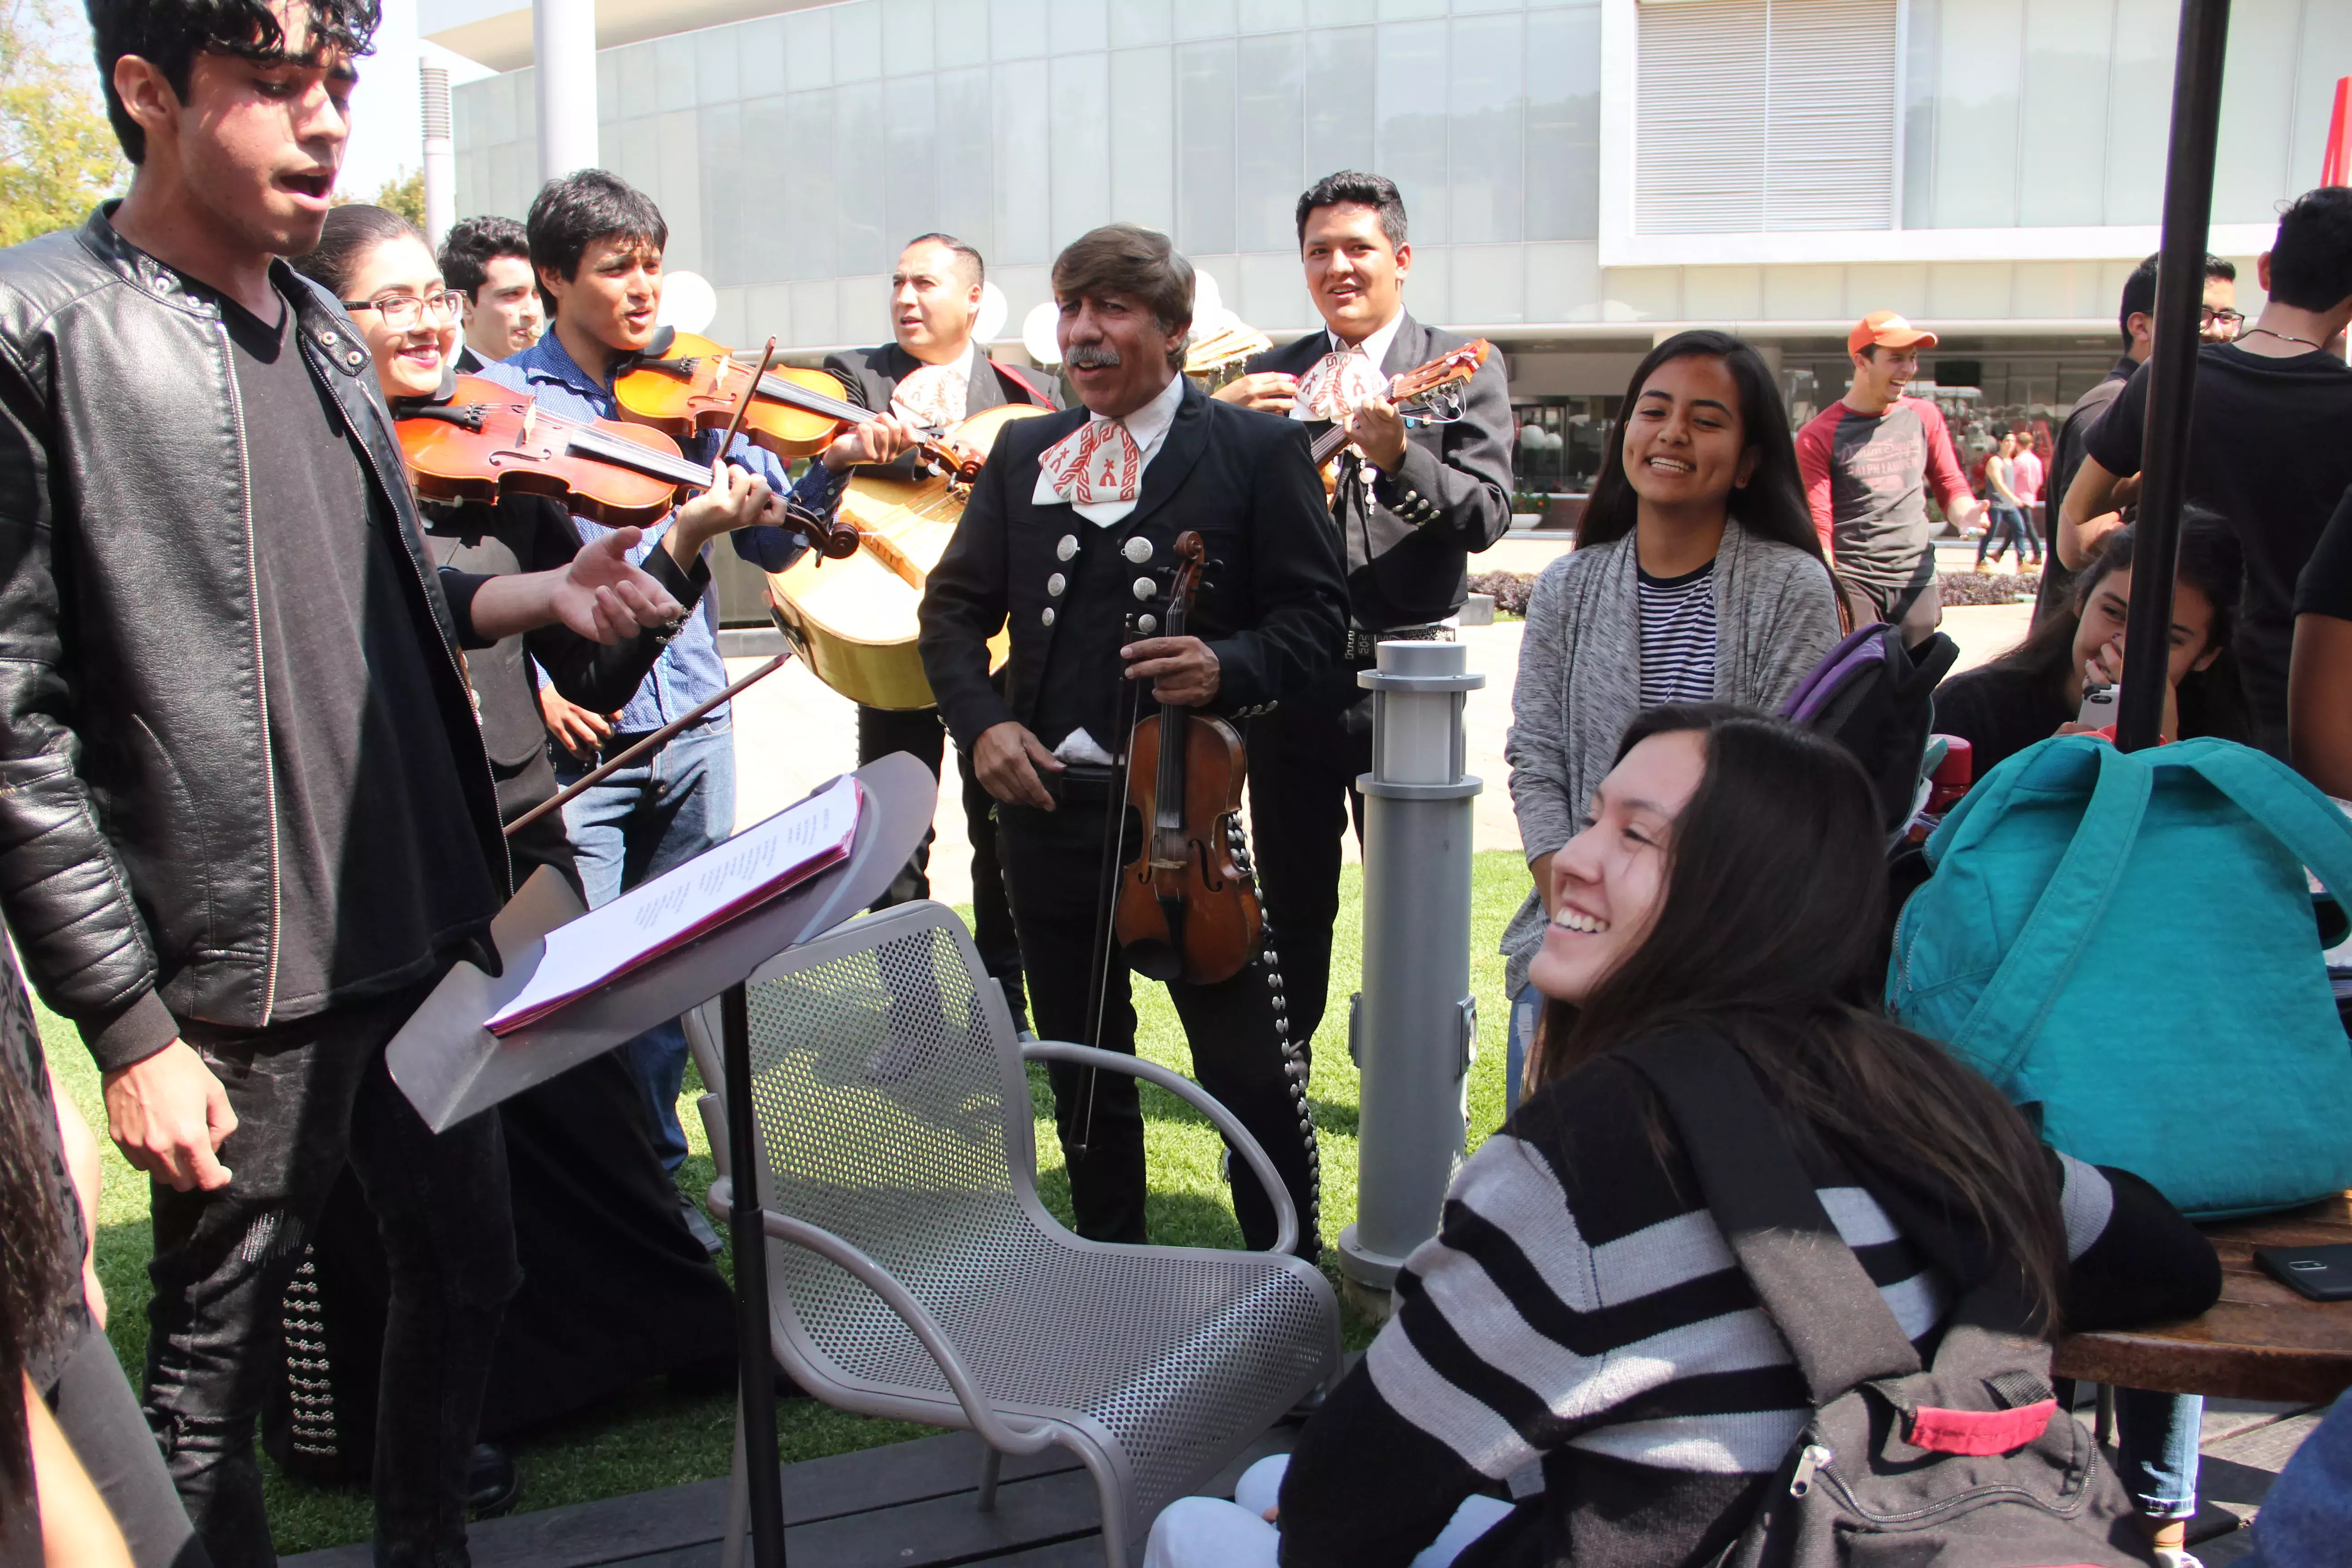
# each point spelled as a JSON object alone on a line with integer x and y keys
{"x": 1411, "y": 502}
{"x": 932, "y": 374}
{"x": 247, "y": 821}
{"x": 1066, "y": 530}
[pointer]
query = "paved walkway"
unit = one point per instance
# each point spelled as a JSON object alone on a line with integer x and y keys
{"x": 792, "y": 733}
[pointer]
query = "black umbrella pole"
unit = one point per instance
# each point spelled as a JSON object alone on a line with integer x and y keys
{"x": 754, "y": 1363}
{"x": 2172, "y": 370}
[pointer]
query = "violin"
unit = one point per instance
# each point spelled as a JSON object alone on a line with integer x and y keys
{"x": 682, "y": 384}
{"x": 1427, "y": 394}
{"x": 1185, "y": 906}
{"x": 484, "y": 441}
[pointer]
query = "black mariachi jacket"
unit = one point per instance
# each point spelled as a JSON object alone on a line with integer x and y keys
{"x": 137, "y": 852}
{"x": 871, "y": 376}
{"x": 1274, "y": 613}
{"x": 1407, "y": 544}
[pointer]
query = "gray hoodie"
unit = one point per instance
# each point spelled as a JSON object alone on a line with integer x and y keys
{"x": 1579, "y": 680}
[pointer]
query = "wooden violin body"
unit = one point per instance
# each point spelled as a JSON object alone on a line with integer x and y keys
{"x": 1185, "y": 907}
{"x": 487, "y": 441}
{"x": 692, "y": 385}
{"x": 854, "y": 620}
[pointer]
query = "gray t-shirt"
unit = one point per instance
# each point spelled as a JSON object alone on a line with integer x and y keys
{"x": 379, "y": 865}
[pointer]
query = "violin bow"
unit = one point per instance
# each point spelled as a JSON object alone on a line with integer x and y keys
{"x": 1130, "y": 707}
{"x": 659, "y": 738}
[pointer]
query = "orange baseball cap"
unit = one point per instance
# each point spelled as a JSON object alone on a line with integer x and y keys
{"x": 1888, "y": 331}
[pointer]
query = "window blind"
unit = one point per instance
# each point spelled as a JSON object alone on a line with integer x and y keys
{"x": 1764, "y": 116}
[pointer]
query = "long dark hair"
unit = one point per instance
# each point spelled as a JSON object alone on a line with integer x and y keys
{"x": 1771, "y": 505}
{"x": 2212, "y": 700}
{"x": 1767, "y": 934}
{"x": 351, "y": 232}
{"x": 34, "y": 1284}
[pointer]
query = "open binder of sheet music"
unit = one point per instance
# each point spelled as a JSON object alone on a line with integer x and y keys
{"x": 662, "y": 915}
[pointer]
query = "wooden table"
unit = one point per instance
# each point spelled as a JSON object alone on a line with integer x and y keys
{"x": 2260, "y": 1341}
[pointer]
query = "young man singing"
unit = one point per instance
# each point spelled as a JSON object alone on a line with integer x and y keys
{"x": 247, "y": 821}
{"x": 1413, "y": 502}
{"x": 597, "y": 246}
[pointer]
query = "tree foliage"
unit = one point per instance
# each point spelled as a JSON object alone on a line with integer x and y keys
{"x": 403, "y": 193}
{"x": 57, "y": 155}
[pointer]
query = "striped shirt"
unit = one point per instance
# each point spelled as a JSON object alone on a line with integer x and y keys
{"x": 1580, "y": 1318}
{"x": 1677, "y": 636}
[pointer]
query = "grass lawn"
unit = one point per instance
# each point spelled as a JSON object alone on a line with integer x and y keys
{"x": 656, "y": 1438}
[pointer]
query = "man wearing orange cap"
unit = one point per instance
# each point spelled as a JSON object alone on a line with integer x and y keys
{"x": 1868, "y": 459}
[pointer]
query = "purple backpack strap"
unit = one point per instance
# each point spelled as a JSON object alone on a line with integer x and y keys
{"x": 1858, "y": 650}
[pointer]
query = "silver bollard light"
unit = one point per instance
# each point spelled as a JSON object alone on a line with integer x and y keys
{"x": 1413, "y": 1029}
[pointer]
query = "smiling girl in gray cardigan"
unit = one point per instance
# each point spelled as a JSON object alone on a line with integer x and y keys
{"x": 1697, "y": 576}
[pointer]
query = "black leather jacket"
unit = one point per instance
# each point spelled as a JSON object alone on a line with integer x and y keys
{"x": 138, "y": 842}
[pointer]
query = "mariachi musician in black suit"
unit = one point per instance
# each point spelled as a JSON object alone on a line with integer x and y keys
{"x": 1413, "y": 500}
{"x": 934, "y": 375}
{"x": 1061, "y": 537}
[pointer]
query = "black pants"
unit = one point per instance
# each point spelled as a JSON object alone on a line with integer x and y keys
{"x": 1240, "y": 1050}
{"x": 882, "y": 730}
{"x": 1304, "y": 757}
{"x": 100, "y": 1416}
{"x": 309, "y": 1095}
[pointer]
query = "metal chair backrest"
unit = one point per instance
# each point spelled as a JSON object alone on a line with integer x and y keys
{"x": 893, "y": 1110}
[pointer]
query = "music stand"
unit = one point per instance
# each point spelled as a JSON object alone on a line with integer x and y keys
{"x": 451, "y": 1067}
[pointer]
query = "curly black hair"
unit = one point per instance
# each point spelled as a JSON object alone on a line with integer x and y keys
{"x": 171, "y": 34}
{"x": 34, "y": 1282}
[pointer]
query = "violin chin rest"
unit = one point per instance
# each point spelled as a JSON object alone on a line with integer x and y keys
{"x": 1154, "y": 961}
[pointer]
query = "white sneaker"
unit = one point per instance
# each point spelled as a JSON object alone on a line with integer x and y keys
{"x": 2176, "y": 1557}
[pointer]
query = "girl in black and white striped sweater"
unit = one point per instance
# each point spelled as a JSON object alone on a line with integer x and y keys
{"x": 1579, "y": 1334}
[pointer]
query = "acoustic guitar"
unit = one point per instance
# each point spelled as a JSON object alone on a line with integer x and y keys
{"x": 854, "y": 619}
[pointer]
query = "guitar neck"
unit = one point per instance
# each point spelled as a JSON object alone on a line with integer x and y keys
{"x": 1327, "y": 446}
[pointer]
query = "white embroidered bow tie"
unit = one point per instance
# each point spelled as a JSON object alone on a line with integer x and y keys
{"x": 1097, "y": 464}
{"x": 934, "y": 395}
{"x": 1339, "y": 383}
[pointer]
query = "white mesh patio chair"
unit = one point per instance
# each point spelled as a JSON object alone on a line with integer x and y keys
{"x": 914, "y": 1273}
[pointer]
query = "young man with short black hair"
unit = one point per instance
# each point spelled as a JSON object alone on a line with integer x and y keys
{"x": 597, "y": 246}
{"x": 488, "y": 259}
{"x": 2267, "y": 446}
{"x": 1868, "y": 461}
{"x": 248, "y": 822}
{"x": 1413, "y": 502}
{"x": 2219, "y": 319}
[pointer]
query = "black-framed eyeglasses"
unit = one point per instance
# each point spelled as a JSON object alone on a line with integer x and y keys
{"x": 2209, "y": 316}
{"x": 401, "y": 312}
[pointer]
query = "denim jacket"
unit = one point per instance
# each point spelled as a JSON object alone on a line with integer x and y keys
{"x": 689, "y": 671}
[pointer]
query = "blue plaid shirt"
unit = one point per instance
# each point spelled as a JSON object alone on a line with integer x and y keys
{"x": 689, "y": 671}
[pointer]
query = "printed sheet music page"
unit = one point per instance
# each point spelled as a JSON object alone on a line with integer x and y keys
{"x": 681, "y": 904}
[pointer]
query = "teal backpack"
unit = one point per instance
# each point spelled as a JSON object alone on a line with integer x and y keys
{"x": 2126, "y": 941}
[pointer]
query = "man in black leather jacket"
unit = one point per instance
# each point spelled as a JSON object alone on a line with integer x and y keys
{"x": 246, "y": 818}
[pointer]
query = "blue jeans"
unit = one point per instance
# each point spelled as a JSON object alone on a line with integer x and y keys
{"x": 2156, "y": 1449}
{"x": 2310, "y": 1505}
{"x": 659, "y": 812}
{"x": 1527, "y": 1011}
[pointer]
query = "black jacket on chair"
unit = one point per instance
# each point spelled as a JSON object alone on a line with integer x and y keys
{"x": 1274, "y": 612}
{"x": 138, "y": 865}
{"x": 1407, "y": 544}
